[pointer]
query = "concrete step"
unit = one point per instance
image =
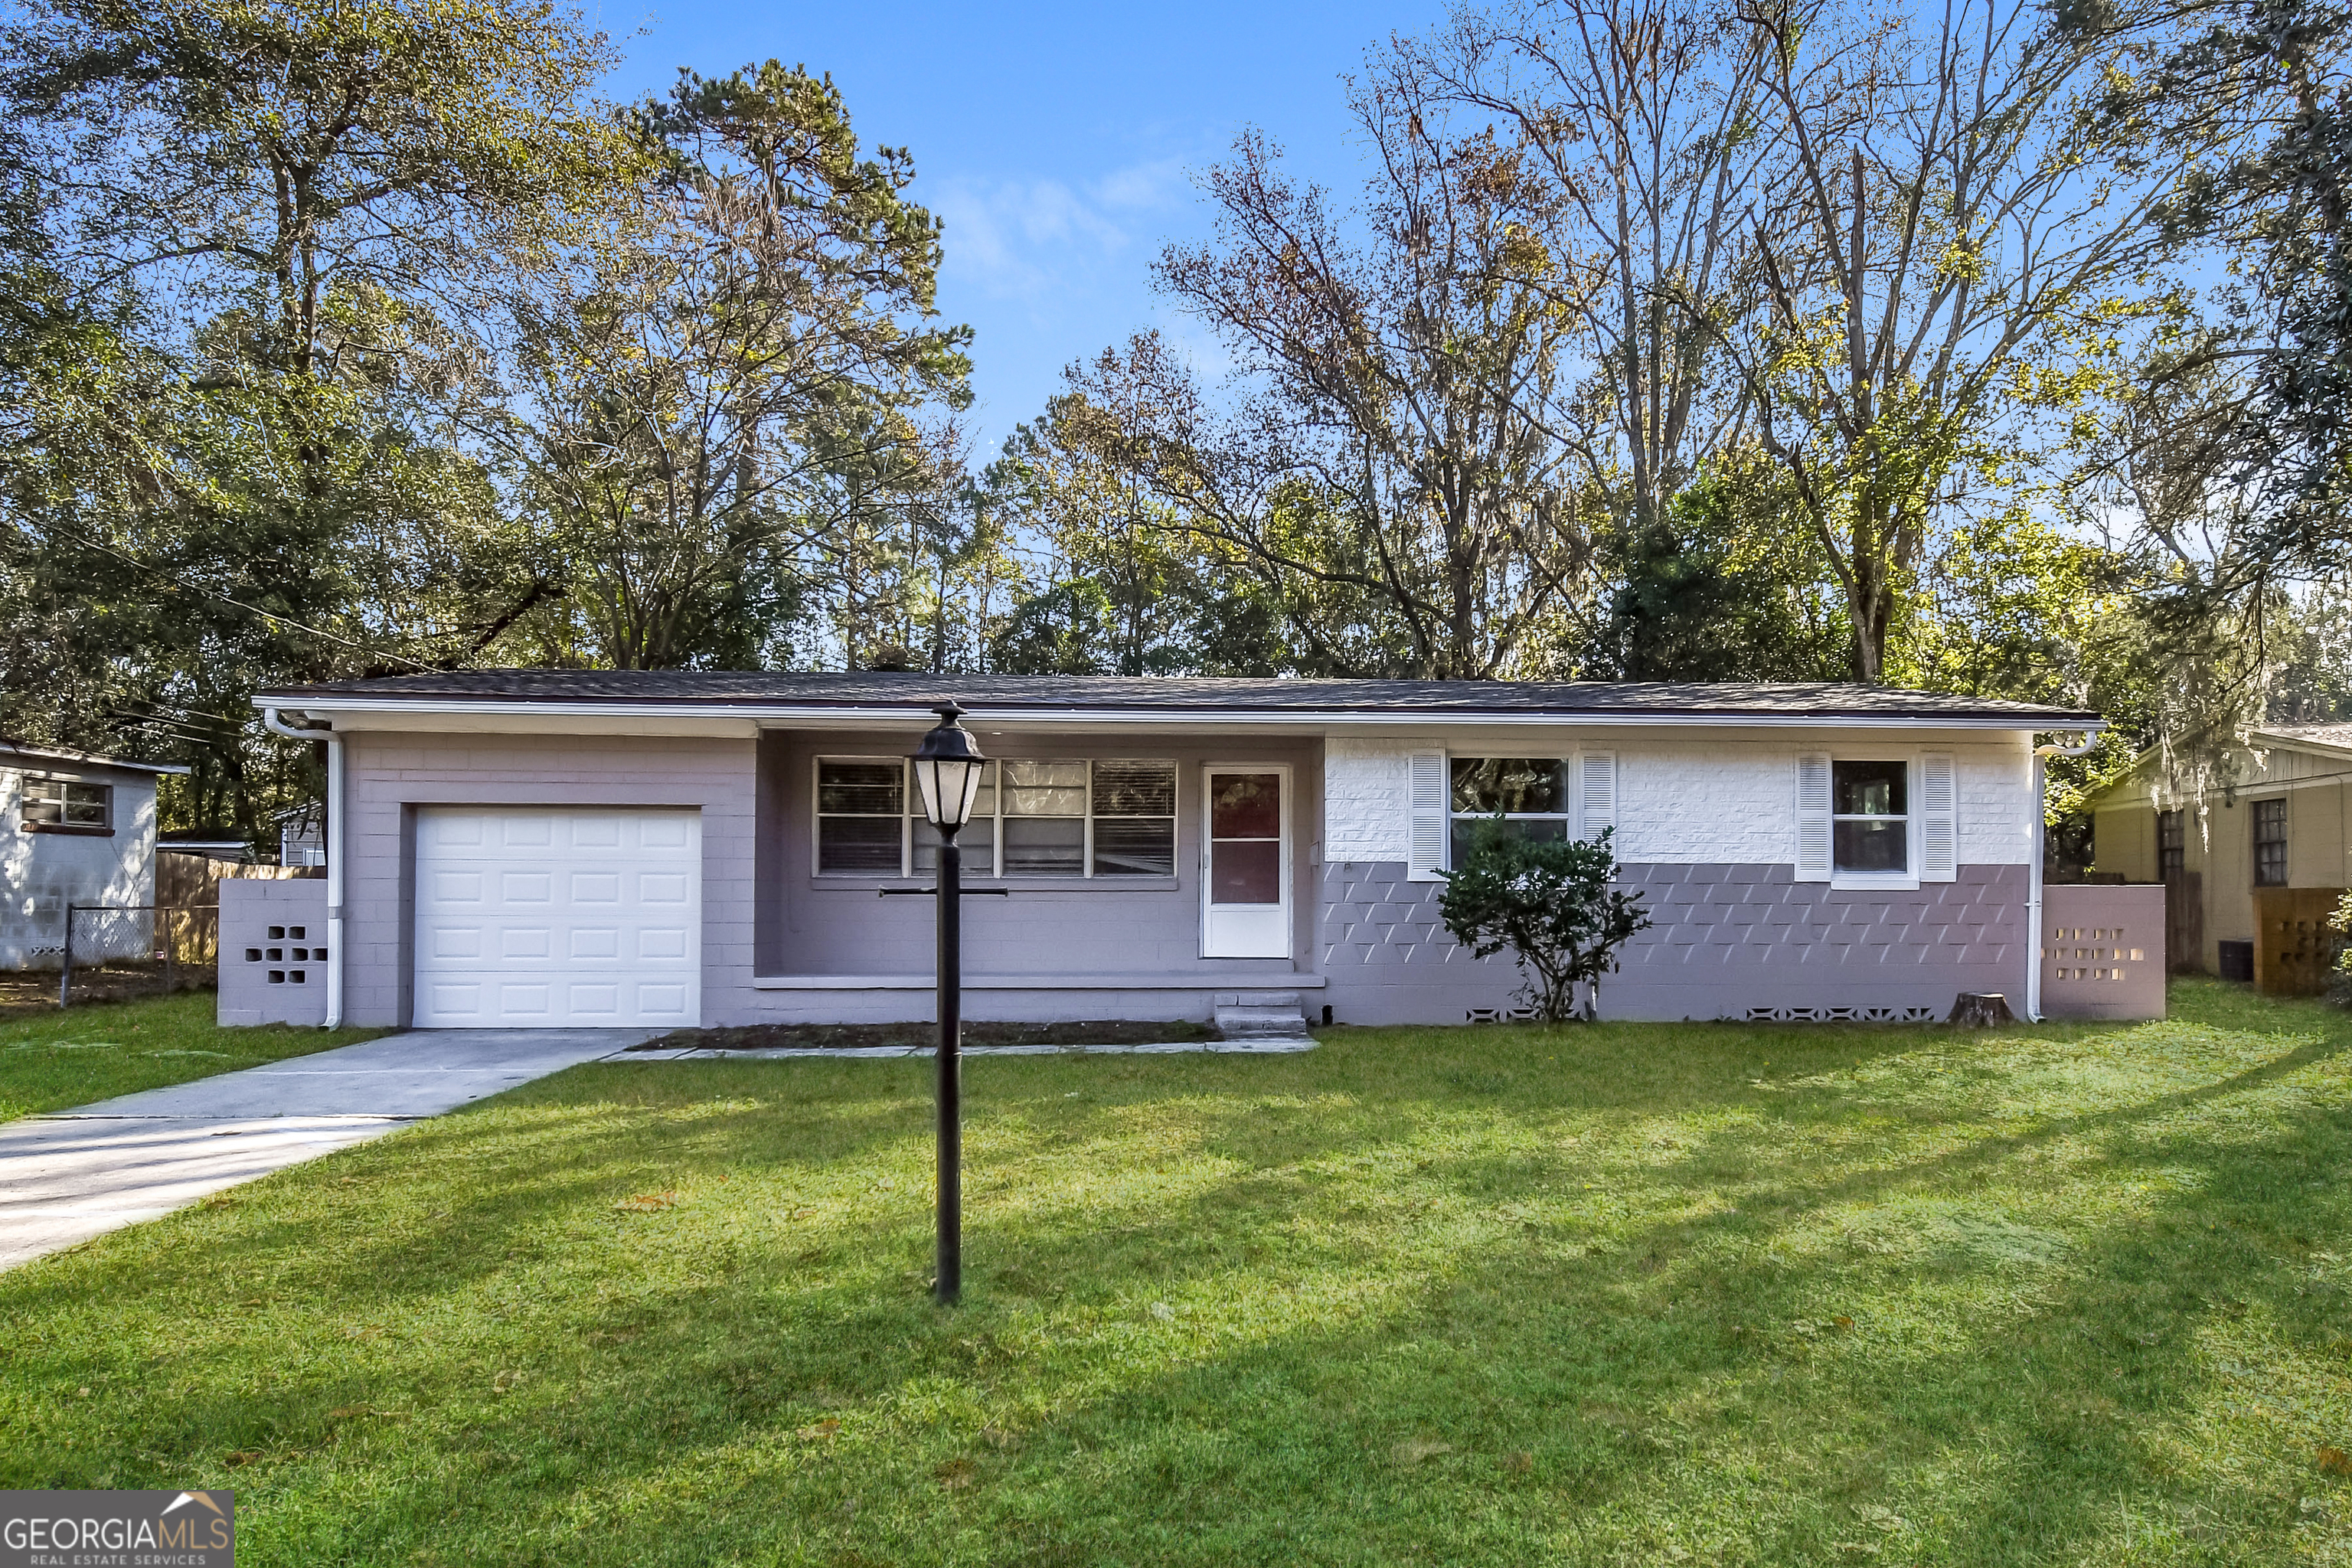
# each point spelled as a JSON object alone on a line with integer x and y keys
{"x": 1238, "y": 1021}
{"x": 1257, "y": 999}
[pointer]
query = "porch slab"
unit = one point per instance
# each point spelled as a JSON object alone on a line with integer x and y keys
{"x": 781, "y": 1053}
{"x": 1156, "y": 982}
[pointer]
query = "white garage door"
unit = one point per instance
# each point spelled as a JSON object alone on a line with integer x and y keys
{"x": 558, "y": 918}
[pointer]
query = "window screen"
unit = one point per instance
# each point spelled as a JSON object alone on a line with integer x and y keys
{"x": 1135, "y": 819}
{"x": 1529, "y": 794}
{"x": 1870, "y": 809}
{"x": 861, "y": 814}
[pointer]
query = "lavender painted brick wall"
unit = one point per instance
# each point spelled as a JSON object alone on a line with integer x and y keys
{"x": 1727, "y": 938}
{"x": 387, "y": 773}
{"x": 829, "y": 925}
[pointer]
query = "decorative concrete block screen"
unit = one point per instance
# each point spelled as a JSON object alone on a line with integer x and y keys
{"x": 273, "y": 951}
{"x": 2103, "y": 951}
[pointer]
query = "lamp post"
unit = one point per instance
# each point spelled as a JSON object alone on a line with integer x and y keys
{"x": 948, "y": 770}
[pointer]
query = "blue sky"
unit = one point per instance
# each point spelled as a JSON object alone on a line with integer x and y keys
{"x": 1058, "y": 141}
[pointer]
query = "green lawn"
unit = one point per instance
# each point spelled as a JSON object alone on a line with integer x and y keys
{"x": 1617, "y": 1295}
{"x": 77, "y": 1055}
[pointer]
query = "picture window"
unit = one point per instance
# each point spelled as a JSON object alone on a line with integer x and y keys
{"x": 1032, "y": 817}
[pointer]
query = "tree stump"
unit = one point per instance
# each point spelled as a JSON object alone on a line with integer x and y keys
{"x": 1980, "y": 1010}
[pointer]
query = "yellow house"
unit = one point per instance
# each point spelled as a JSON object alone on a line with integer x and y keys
{"x": 2254, "y": 867}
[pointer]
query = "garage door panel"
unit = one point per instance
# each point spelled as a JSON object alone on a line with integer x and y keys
{"x": 501, "y": 942}
{"x": 551, "y": 918}
{"x": 595, "y": 887}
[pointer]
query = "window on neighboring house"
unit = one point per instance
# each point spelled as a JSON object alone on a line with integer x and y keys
{"x": 2269, "y": 843}
{"x": 1871, "y": 817}
{"x": 1530, "y": 793}
{"x": 2172, "y": 844}
{"x": 1110, "y": 818}
{"x": 65, "y": 804}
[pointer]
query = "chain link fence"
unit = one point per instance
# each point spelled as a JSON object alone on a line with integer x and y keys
{"x": 113, "y": 953}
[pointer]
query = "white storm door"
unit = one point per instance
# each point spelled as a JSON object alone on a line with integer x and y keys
{"x": 558, "y": 918}
{"x": 1245, "y": 862}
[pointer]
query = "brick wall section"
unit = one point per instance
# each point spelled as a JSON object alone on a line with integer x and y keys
{"x": 250, "y": 908}
{"x": 388, "y": 774}
{"x": 821, "y": 925}
{"x": 1704, "y": 800}
{"x": 1727, "y": 938}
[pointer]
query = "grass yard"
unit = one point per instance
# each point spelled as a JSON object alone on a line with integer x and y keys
{"x": 76, "y": 1055}
{"x": 1617, "y": 1295}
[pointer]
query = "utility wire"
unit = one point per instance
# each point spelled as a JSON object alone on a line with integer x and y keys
{"x": 214, "y": 594}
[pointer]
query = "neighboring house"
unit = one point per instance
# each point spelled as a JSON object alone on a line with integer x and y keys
{"x": 573, "y": 847}
{"x": 75, "y": 829}
{"x": 302, "y": 836}
{"x": 2253, "y": 868}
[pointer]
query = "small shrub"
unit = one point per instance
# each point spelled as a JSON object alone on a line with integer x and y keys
{"x": 1551, "y": 902}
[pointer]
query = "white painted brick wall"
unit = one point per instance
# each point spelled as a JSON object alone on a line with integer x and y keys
{"x": 1367, "y": 799}
{"x": 1711, "y": 801}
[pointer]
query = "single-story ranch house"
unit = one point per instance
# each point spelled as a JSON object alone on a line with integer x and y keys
{"x": 668, "y": 848}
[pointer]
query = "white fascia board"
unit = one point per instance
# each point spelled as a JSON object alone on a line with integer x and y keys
{"x": 1336, "y": 722}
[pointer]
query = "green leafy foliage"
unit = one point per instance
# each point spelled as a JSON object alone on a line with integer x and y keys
{"x": 1552, "y": 903}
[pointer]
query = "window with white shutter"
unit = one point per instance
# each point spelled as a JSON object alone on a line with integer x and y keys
{"x": 1597, "y": 773}
{"x": 1940, "y": 831}
{"x": 1813, "y": 816}
{"x": 1426, "y": 856}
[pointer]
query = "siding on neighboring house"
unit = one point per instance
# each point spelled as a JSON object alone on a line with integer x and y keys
{"x": 41, "y": 873}
{"x": 2218, "y": 846}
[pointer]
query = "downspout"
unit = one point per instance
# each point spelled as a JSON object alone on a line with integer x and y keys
{"x": 334, "y": 845}
{"x": 2040, "y": 831}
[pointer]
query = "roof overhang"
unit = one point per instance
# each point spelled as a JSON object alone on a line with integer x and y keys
{"x": 687, "y": 717}
{"x": 36, "y": 757}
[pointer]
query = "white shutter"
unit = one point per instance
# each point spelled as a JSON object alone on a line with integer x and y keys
{"x": 1430, "y": 796}
{"x": 1597, "y": 773}
{"x": 1813, "y": 816}
{"x": 1939, "y": 832}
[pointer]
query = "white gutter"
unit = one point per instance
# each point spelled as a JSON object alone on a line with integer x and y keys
{"x": 2035, "y": 936}
{"x": 904, "y": 716}
{"x": 334, "y": 845}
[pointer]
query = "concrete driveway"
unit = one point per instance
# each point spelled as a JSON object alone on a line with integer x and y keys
{"x": 73, "y": 1174}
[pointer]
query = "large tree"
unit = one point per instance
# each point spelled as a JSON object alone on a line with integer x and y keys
{"x": 1400, "y": 379}
{"x": 1934, "y": 252}
{"x": 702, "y": 396}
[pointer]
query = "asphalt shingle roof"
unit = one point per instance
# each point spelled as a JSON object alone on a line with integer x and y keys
{"x": 1177, "y": 695}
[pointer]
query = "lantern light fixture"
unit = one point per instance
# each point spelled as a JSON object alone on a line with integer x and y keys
{"x": 948, "y": 770}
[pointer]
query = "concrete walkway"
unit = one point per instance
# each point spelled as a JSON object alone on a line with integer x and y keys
{"x": 73, "y": 1174}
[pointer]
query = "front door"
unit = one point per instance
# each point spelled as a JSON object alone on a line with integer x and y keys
{"x": 1245, "y": 862}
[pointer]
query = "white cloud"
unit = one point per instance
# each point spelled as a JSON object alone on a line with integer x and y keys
{"x": 1026, "y": 239}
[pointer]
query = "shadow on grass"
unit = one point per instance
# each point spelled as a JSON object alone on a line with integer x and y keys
{"x": 1630, "y": 1307}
